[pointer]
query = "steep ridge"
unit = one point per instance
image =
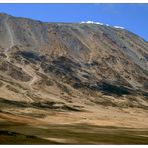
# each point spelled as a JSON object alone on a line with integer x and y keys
{"x": 71, "y": 66}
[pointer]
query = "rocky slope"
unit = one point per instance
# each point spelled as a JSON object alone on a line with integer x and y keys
{"x": 70, "y": 66}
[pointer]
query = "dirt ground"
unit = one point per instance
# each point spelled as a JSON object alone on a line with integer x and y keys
{"x": 96, "y": 126}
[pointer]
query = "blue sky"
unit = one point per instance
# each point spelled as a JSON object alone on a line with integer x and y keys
{"x": 133, "y": 17}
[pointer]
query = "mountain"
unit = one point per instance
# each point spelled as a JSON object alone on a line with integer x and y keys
{"x": 71, "y": 67}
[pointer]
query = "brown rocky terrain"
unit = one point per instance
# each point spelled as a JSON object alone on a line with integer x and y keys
{"x": 71, "y": 73}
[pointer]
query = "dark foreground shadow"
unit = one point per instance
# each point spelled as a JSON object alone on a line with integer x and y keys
{"x": 15, "y": 133}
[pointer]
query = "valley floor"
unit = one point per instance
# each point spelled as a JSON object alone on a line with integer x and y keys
{"x": 96, "y": 126}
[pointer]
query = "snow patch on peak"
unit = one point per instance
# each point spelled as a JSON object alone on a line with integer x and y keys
{"x": 106, "y": 24}
{"x": 119, "y": 27}
{"x": 91, "y": 22}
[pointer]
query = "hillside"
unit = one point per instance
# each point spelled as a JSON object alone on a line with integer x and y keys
{"x": 88, "y": 73}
